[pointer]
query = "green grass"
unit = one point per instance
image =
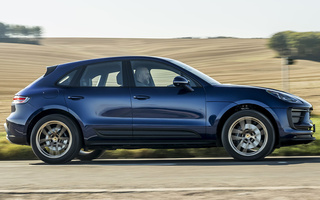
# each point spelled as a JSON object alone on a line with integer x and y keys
{"x": 166, "y": 153}
{"x": 10, "y": 151}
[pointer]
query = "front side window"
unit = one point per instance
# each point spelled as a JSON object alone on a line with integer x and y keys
{"x": 107, "y": 74}
{"x": 155, "y": 74}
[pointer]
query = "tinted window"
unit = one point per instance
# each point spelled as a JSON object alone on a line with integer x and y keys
{"x": 107, "y": 74}
{"x": 163, "y": 77}
{"x": 155, "y": 74}
{"x": 66, "y": 80}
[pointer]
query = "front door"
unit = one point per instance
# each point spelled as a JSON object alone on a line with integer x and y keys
{"x": 163, "y": 113}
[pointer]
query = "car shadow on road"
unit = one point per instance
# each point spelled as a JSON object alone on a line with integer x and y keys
{"x": 195, "y": 161}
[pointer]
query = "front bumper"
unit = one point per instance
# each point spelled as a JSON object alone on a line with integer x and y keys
{"x": 14, "y": 135}
{"x": 298, "y": 139}
{"x": 302, "y": 136}
{"x": 295, "y": 126}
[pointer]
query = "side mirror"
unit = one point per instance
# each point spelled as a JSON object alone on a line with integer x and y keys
{"x": 180, "y": 81}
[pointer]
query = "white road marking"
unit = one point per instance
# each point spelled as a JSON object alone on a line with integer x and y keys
{"x": 57, "y": 191}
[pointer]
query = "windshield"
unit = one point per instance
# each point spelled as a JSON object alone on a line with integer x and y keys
{"x": 201, "y": 75}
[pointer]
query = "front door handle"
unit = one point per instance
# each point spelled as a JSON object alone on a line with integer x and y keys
{"x": 141, "y": 97}
{"x": 75, "y": 97}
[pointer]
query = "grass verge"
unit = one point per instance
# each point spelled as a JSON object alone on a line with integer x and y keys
{"x": 10, "y": 151}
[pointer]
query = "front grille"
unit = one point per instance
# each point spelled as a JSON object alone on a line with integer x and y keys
{"x": 299, "y": 118}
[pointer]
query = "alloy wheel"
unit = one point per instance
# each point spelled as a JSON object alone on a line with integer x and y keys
{"x": 248, "y": 136}
{"x": 53, "y": 139}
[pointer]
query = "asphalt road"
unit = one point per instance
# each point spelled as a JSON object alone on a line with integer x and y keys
{"x": 217, "y": 178}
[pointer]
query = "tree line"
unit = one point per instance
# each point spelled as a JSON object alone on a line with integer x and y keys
{"x": 299, "y": 45}
{"x": 20, "y": 33}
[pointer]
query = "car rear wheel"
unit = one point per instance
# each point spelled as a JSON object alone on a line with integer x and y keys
{"x": 89, "y": 155}
{"x": 55, "y": 139}
{"x": 248, "y": 135}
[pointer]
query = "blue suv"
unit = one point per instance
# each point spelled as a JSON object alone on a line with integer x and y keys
{"x": 80, "y": 109}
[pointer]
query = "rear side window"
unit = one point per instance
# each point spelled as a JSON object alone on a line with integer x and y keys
{"x": 66, "y": 80}
{"x": 108, "y": 74}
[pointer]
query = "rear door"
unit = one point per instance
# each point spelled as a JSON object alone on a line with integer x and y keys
{"x": 102, "y": 101}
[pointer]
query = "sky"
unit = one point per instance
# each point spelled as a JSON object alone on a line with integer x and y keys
{"x": 163, "y": 18}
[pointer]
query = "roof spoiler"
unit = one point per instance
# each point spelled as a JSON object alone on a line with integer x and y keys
{"x": 50, "y": 69}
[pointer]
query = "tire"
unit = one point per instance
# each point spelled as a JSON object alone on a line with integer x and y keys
{"x": 55, "y": 139}
{"x": 89, "y": 155}
{"x": 248, "y": 135}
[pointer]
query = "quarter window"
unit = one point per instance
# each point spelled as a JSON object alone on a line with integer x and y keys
{"x": 66, "y": 80}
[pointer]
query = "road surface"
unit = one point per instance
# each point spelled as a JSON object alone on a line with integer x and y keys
{"x": 195, "y": 178}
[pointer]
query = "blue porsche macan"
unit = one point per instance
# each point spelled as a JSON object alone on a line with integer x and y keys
{"x": 80, "y": 109}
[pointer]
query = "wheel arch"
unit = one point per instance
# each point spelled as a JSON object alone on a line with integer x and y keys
{"x": 44, "y": 113}
{"x": 247, "y": 106}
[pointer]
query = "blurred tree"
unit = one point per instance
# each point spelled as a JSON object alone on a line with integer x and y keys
{"x": 280, "y": 43}
{"x": 3, "y": 30}
{"x": 304, "y": 45}
{"x": 36, "y": 31}
{"x": 18, "y": 30}
{"x": 20, "y": 33}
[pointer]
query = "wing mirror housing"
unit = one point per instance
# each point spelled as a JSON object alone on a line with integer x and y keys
{"x": 180, "y": 81}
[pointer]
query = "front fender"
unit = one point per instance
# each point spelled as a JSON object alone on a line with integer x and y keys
{"x": 217, "y": 112}
{"x": 262, "y": 105}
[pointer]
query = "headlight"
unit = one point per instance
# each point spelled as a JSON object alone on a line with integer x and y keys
{"x": 284, "y": 97}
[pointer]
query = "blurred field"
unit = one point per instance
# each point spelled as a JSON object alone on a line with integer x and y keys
{"x": 234, "y": 61}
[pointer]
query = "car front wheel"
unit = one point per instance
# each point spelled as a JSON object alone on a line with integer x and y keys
{"x": 248, "y": 135}
{"x": 55, "y": 139}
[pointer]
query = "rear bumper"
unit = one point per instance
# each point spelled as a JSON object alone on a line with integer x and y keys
{"x": 14, "y": 135}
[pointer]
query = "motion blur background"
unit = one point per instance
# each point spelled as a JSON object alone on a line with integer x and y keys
{"x": 234, "y": 42}
{"x": 228, "y": 40}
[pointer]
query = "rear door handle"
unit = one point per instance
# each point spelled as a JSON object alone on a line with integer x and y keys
{"x": 141, "y": 97}
{"x": 75, "y": 97}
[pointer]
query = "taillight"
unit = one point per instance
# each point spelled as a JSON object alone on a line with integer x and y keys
{"x": 20, "y": 99}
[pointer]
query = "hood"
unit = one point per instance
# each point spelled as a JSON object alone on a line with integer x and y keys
{"x": 244, "y": 93}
